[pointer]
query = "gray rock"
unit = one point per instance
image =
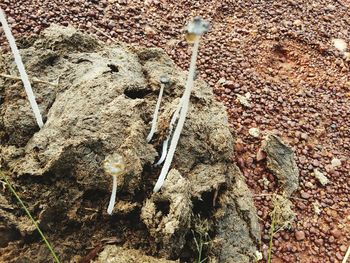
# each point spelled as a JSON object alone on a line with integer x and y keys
{"x": 243, "y": 100}
{"x": 280, "y": 160}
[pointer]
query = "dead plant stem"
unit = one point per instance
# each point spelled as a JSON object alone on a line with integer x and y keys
{"x": 36, "y": 80}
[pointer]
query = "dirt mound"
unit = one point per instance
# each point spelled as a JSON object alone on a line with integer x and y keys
{"x": 103, "y": 105}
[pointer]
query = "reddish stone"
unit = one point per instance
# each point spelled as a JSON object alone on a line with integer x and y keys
{"x": 260, "y": 155}
{"x": 336, "y": 233}
{"x": 305, "y": 195}
{"x": 343, "y": 248}
{"x": 300, "y": 235}
{"x": 339, "y": 256}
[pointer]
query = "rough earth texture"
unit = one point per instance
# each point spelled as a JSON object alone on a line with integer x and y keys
{"x": 102, "y": 106}
{"x": 280, "y": 53}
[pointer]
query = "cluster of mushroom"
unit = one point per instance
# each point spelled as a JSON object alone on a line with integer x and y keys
{"x": 114, "y": 165}
{"x": 194, "y": 31}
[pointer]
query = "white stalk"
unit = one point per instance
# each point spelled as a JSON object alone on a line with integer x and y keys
{"x": 171, "y": 128}
{"x": 113, "y": 196}
{"x": 164, "y": 152}
{"x": 21, "y": 69}
{"x": 155, "y": 114}
{"x": 183, "y": 112}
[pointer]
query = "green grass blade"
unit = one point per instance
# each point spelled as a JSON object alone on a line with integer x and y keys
{"x": 31, "y": 218}
{"x": 272, "y": 232}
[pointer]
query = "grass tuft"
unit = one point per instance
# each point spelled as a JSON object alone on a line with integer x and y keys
{"x": 282, "y": 217}
{"x": 201, "y": 238}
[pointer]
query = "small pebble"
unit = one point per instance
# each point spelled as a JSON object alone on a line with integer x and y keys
{"x": 255, "y": 132}
{"x": 321, "y": 177}
{"x": 339, "y": 255}
{"x": 304, "y": 136}
{"x": 243, "y": 101}
{"x": 336, "y": 233}
{"x": 309, "y": 185}
{"x": 335, "y": 162}
{"x": 260, "y": 155}
{"x": 343, "y": 248}
{"x": 300, "y": 235}
{"x": 305, "y": 195}
{"x": 319, "y": 242}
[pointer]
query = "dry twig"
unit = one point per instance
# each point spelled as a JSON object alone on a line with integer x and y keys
{"x": 35, "y": 80}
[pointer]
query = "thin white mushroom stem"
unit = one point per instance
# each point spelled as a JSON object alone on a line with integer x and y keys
{"x": 164, "y": 152}
{"x": 114, "y": 166}
{"x": 113, "y": 196}
{"x": 21, "y": 69}
{"x": 183, "y": 111}
{"x": 155, "y": 114}
{"x": 171, "y": 128}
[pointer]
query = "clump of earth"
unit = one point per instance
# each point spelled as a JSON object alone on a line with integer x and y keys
{"x": 100, "y": 103}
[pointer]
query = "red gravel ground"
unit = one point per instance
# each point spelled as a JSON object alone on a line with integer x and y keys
{"x": 299, "y": 84}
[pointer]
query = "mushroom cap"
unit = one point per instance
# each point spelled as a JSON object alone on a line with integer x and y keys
{"x": 164, "y": 79}
{"x": 114, "y": 165}
{"x": 197, "y": 26}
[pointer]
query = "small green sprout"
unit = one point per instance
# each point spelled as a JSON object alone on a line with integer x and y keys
{"x": 113, "y": 165}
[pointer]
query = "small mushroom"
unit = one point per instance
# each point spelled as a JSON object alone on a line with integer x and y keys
{"x": 164, "y": 80}
{"x": 113, "y": 165}
{"x": 195, "y": 30}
